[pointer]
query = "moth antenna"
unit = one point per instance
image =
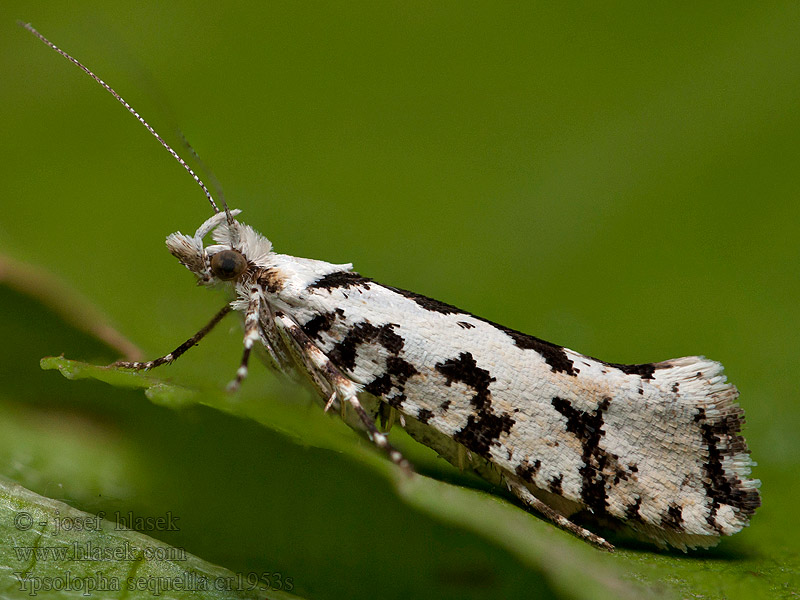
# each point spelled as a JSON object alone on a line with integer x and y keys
{"x": 131, "y": 110}
{"x": 209, "y": 173}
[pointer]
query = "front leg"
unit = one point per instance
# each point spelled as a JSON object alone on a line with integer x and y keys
{"x": 172, "y": 356}
{"x": 322, "y": 368}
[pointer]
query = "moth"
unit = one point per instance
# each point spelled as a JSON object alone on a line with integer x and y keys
{"x": 653, "y": 447}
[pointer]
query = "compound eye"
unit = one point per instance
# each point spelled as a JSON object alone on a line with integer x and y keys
{"x": 228, "y": 264}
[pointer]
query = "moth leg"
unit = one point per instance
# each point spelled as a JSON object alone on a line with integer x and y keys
{"x": 329, "y": 403}
{"x": 271, "y": 338}
{"x": 251, "y": 334}
{"x": 387, "y": 415}
{"x": 347, "y": 390}
{"x": 172, "y": 356}
{"x": 461, "y": 457}
{"x": 378, "y": 438}
{"x": 523, "y": 493}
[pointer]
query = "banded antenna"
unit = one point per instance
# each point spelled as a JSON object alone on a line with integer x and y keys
{"x": 139, "y": 118}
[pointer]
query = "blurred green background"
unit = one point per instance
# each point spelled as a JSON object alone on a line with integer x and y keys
{"x": 620, "y": 179}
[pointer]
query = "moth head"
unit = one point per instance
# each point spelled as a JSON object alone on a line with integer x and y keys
{"x": 239, "y": 247}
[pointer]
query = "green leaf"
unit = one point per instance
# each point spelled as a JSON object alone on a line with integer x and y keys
{"x": 54, "y": 551}
{"x": 157, "y": 391}
{"x": 537, "y": 545}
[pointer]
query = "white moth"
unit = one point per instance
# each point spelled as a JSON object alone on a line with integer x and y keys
{"x": 654, "y": 447}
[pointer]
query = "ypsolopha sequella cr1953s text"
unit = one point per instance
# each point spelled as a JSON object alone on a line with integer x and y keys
{"x": 655, "y": 447}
